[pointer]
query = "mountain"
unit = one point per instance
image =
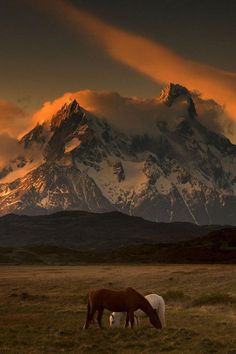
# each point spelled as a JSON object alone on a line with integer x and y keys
{"x": 177, "y": 171}
{"x": 219, "y": 246}
{"x": 82, "y": 237}
{"x": 92, "y": 232}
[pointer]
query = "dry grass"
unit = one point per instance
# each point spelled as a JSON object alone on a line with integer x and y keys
{"x": 42, "y": 309}
{"x": 214, "y": 299}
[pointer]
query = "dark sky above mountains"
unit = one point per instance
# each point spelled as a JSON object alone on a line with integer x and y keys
{"x": 41, "y": 57}
{"x": 56, "y": 50}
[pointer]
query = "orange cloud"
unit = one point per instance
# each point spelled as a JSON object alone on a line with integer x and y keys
{"x": 13, "y": 119}
{"x": 139, "y": 116}
{"x": 13, "y": 122}
{"x": 149, "y": 57}
{"x": 9, "y": 149}
{"x": 124, "y": 113}
{"x": 128, "y": 114}
{"x": 88, "y": 99}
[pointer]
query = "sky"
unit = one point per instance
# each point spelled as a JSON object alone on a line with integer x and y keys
{"x": 126, "y": 46}
{"x": 41, "y": 58}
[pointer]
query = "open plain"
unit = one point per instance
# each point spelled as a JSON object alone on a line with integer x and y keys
{"x": 43, "y": 309}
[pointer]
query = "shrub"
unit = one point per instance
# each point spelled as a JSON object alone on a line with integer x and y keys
{"x": 214, "y": 299}
{"x": 174, "y": 295}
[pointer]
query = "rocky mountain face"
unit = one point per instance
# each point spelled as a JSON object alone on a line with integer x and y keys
{"x": 180, "y": 172}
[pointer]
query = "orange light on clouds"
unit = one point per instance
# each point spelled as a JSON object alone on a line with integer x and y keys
{"x": 149, "y": 57}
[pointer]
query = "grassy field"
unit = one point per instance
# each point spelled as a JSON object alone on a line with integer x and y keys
{"x": 42, "y": 309}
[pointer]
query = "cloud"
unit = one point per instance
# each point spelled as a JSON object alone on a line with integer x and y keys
{"x": 20, "y": 172}
{"x": 214, "y": 117}
{"x": 138, "y": 116}
{"x": 130, "y": 114}
{"x": 9, "y": 148}
{"x": 13, "y": 119}
{"x": 149, "y": 57}
{"x": 12, "y": 154}
{"x": 49, "y": 108}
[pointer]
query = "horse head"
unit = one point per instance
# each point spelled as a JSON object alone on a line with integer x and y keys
{"x": 155, "y": 320}
{"x": 114, "y": 320}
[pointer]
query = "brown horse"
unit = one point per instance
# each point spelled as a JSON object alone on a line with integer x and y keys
{"x": 128, "y": 300}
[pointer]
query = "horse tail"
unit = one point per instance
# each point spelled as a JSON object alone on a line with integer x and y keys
{"x": 88, "y": 320}
{"x": 88, "y": 306}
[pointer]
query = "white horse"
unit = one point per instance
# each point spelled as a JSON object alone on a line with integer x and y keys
{"x": 157, "y": 303}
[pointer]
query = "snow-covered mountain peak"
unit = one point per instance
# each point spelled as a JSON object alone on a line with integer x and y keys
{"x": 65, "y": 112}
{"x": 175, "y": 93}
{"x": 171, "y": 92}
{"x": 179, "y": 172}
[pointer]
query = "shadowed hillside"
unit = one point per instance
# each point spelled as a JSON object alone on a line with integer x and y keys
{"x": 89, "y": 231}
{"x": 142, "y": 245}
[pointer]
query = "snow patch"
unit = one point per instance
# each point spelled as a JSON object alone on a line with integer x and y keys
{"x": 21, "y": 172}
{"x": 71, "y": 145}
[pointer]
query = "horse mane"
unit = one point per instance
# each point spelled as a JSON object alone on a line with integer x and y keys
{"x": 147, "y": 306}
{"x": 134, "y": 291}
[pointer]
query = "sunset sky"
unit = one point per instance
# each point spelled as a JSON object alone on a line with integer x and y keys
{"x": 131, "y": 47}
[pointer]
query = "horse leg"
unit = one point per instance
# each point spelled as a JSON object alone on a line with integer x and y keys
{"x": 90, "y": 314}
{"x": 131, "y": 318}
{"x": 127, "y": 320}
{"x": 86, "y": 326}
{"x": 161, "y": 314}
{"x": 99, "y": 317}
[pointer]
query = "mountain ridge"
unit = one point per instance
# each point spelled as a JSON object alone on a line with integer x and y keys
{"x": 79, "y": 237}
{"x": 181, "y": 171}
{"x": 90, "y": 231}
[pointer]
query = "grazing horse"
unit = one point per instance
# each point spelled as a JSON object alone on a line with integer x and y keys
{"x": 156, "y": 301}
{"x": 128, "y": 300}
